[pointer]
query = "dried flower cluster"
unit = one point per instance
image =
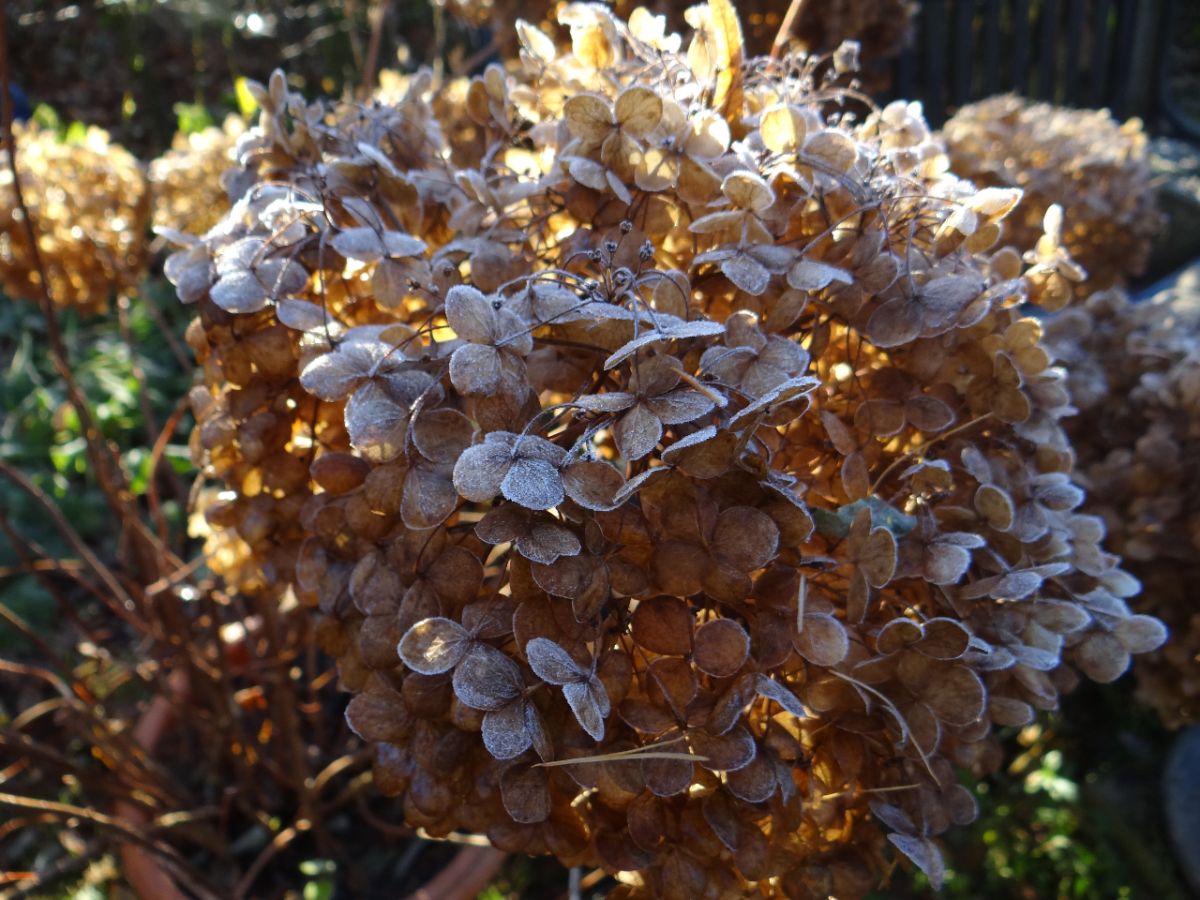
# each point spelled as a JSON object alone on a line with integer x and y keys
{"x": 681, "y": 487}
{"x": 90, "y": 204}
{"x": 190, "y": 192}
{"x": 1135, "y": 376}
{"x": 1095, "y": 168}
{"x": 882, "y": 28}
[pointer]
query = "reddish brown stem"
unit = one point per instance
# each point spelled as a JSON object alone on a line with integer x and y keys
{"x": 785, "y": 28}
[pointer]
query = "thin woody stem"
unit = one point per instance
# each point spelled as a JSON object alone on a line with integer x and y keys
{"x": 785, "y": 28}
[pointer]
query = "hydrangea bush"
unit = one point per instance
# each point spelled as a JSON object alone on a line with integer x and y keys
{"x": 89, "y": 202}
{"x": 1135, "y": 377}
{"x": 192, "y": 180}
{"x": 1094, "y": 168}
{"x": 680, "y": 484}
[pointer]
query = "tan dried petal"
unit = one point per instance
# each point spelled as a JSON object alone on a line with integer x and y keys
{"x": 833, "y": 150}
{"x": 783, "y": 129}
{"x": 638, "y": 110}
{"x": 589, "y": 116}
{"x": 748, "y": 191}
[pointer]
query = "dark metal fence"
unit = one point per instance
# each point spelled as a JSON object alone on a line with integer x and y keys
{"x": 1091, "y": 53}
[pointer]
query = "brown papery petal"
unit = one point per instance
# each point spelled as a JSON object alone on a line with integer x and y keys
{"x": 745, "y": 537}
{"x": 944, "y": 639}
{"x": 646, "y": 821}
{"x": 955, "y": 695}
{"x": 592, "y": 484}
{"x": 663, "y": 625}
{"x": 823, "y": 642}
{"x": 672, "y": 683}
{"x": 526, "y": 793}
{"x": 755, "y": 782}
{"x": 722, "y": 647}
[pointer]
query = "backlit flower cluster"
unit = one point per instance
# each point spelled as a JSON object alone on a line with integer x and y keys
{"x": 1135, "y": 377}
{"x": 1093, "y": 167}
{"x": 882, "y": 28}
{"x": 190, "y": 193}
{"x": 89, "y": 204}
{"x": 681, "y": 487}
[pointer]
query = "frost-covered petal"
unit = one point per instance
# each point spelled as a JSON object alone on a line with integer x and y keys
{"x": 470, "y": 314}
{"x": 433, "y": 646}
{"x": 487, "y": 679}
{"x": 585, "y": 699}
{"x": 362, "y": 243}
{"x": 679, "y": 406}
{"x": 239, "y": 292}
{"x": 331, "y": 376}
{"x": 532, "y": 483}
{"x": 376, "y": 423}
{"x": 552, "y": 663}
{"x": 480, "y": 471}
{"x": 475, "y": 369}
{"x": 637, "y": 433}
{"x": 504, "y": 733}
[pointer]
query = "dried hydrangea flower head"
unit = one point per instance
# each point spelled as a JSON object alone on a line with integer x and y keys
{"x": 1093, "y": 167}
{"x": 882, "y": 28}
{"x": 680, "y": 485}
{"x": 1138, "y": 457}
{"x": 189, "y": 181}
{"x": 89, "y": 204}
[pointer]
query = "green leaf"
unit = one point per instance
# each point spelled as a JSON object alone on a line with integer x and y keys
{"x": 192, "y": 118}
{"x": 45, "y": 115}
{"x": 76, "y": 133}
{"x": 836, "y": 523}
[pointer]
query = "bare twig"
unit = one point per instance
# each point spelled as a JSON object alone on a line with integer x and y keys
{"x": 377, "y": 15}
{"x": 785, "y": 28}
{"x": 103, "y": 572}
{"x": 269, "y": 852}
{"x": 170, "y": 857}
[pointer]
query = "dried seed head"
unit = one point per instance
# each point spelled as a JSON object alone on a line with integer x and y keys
{"x": 646, "y": 514}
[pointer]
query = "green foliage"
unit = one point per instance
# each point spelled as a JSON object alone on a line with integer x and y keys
{"x": 46, "y": 116}
{"x": 192, "y": 118}
{"x": 1074, "y": 817}
{"x": 41, "y": 436}
{"x": 321, "y": 879}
